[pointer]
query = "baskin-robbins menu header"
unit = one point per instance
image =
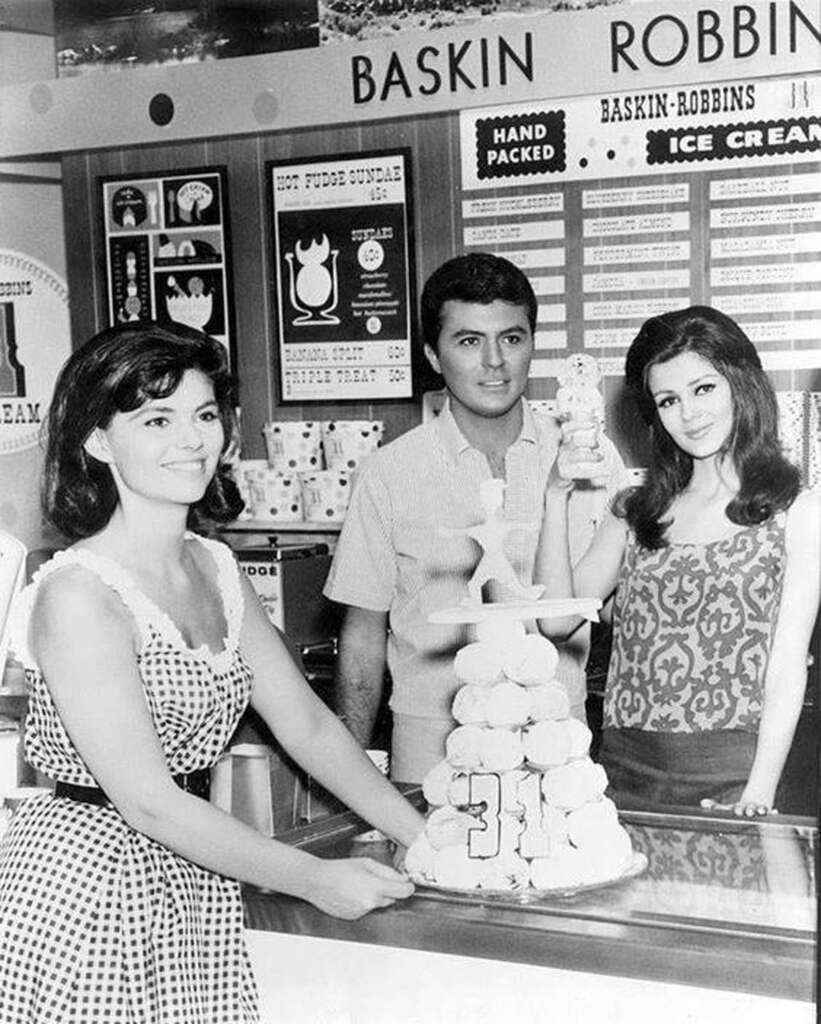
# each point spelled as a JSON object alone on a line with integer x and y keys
{"x": 497, "y": 59}
{"x": 724, "y": 124}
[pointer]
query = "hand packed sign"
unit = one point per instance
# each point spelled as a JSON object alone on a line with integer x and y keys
{"x": 520, "y": 144}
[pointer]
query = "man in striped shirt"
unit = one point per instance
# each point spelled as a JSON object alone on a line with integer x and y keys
{"x": 393, "y": 565}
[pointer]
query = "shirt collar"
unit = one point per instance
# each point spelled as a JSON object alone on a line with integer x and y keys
{"x": 454, "y": 440}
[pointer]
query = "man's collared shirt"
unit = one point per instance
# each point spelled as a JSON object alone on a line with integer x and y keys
{"x": 393, "y": 557}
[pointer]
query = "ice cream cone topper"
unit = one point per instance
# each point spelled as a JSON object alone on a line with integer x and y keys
{"x": 578, "y": 395}
{"x": 490, "y": 536}
{"x": 580, "y": 408}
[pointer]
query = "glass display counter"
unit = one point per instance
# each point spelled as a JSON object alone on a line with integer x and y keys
{"x": 724, "y": 904}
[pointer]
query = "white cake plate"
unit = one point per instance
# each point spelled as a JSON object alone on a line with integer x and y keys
{"x": 518, "y": 611}
{"x": 636, "y": 866}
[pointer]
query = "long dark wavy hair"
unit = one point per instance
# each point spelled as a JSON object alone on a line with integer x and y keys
{"x": 118, "y": 370}
{"x": 767, "y": 481}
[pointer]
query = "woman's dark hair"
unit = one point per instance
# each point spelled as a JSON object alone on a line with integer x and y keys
{"x": 118, "y": 370}
{"x": 767, "y": 481}
{"x": 476, "y": 277}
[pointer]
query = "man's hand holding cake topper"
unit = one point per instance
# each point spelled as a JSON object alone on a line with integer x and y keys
{"x": 490, "y": 535}
{"x": 580, "y": 409}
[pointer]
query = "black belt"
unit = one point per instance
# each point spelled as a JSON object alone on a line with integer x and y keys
{"x": 197, "y": 783}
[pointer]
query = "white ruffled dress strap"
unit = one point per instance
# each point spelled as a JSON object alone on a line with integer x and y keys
{"x": 149, "y": 618}
{"x": 230, "y": 587}
{"x": 112, "y": 574}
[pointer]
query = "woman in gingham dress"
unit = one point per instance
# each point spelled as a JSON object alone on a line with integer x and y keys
{"x": 143, "y": 644}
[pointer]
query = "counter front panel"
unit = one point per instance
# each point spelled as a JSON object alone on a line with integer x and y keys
{"x": 723, "y": 903}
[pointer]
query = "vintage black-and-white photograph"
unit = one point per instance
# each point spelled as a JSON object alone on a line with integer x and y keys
{"x": 410, "y": 512}
{"x": 93, "y": 35}
{"x": 341, "y": 20}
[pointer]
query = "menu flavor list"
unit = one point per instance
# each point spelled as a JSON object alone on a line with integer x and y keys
{"x": 618, "y": 233}
{"x": 763, "y": 258}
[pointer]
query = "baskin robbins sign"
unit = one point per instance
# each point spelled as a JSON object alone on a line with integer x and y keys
{"x": 34, "y": 344}
{"x": 505, "y": 57}
{"x": 722, "y": 125}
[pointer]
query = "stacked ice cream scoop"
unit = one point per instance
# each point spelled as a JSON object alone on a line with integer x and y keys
{"x": 580, "y": 405}
{"x": 517, "y": 802}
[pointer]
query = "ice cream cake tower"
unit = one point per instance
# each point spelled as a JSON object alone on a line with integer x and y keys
{"x": 517, "y": 804}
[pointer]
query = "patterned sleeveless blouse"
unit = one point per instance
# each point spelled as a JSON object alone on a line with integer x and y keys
{"x": 692, "y": 630}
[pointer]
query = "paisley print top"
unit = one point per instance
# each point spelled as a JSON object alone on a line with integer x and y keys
{"x": 692, "y": 630}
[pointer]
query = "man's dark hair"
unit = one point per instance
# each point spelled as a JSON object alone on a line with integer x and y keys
{"x": 476, "y": 277}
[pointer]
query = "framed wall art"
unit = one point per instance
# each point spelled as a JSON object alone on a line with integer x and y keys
{"x": 166, "y": 243}
{"x": 343, "y": 276}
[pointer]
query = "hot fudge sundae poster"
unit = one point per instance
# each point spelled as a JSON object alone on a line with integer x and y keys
{"x": 166, "y": 250}
{"x": 342, "y": 255}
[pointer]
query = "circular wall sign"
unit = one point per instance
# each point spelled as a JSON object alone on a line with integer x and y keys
{"x": 35, "y": 341}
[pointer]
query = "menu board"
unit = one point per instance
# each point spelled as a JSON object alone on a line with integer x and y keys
{"x": 166, "y": 250}
{"x": 343, "y": 264}
{"x": 623, "y": 206}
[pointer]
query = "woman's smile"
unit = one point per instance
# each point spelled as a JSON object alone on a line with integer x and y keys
{"x": 698, "y": 432}
{"x": 186, "y": 465}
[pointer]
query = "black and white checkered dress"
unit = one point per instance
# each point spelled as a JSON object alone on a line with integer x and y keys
{"x": 99, "y": 923}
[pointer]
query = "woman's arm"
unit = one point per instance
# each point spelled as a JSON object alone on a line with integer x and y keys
{"x": 313, "y": 735}
{"x": 786, "y": 678}
{"x": 596, "y": 573}
{"x": 84, "y": 642}
{"x": 551, "y": 567}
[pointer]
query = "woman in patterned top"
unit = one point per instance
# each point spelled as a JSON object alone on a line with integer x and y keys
{"x": 143, "y": 644}
{"x": 715, "y": 563}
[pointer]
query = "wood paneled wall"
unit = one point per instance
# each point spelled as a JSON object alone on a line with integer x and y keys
{"x": 433, "y": 142}
{"x": 437, "y": 235}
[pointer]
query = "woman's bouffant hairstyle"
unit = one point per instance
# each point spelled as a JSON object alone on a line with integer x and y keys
{"x": 476, "y": 277}
{"x": 767, "y": 481}
{"x": 118, "y": 370}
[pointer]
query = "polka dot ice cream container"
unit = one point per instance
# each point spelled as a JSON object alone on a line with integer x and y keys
{"x": 293, "y": 446}
{"x": 347, "y": 442}
{"x": 325, "y": 495}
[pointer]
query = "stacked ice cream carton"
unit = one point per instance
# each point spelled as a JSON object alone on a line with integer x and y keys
{"x": 309, "y": 470}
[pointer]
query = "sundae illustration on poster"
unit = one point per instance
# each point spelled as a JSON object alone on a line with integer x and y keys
{"x": 166, "y": 250}
{"x": 343, "y": 277}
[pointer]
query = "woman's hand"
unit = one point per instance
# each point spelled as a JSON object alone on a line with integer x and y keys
{"x": 398, "y": 858}
{"x": 743, "y": 808}
{"x": 579, "y": 456}
{"x": 350, "y": 888}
